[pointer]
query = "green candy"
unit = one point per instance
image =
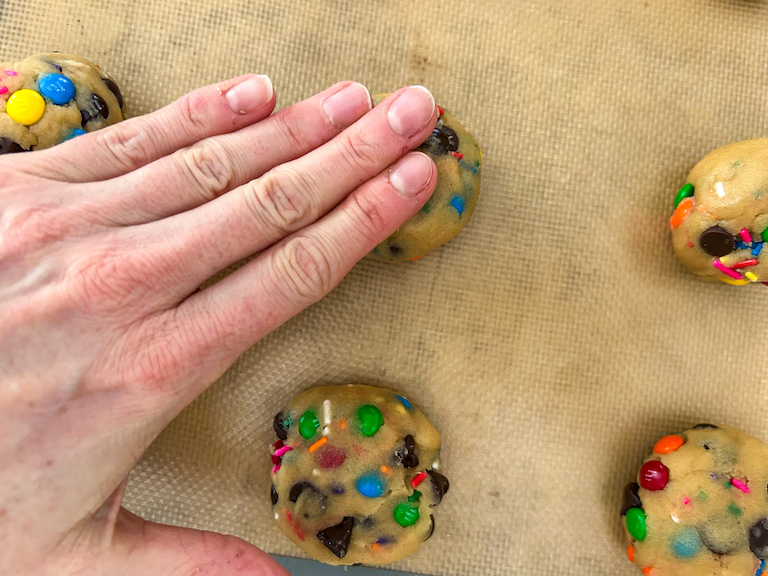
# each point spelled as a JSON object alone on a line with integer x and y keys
{"x": 636, "y": 523}
{"x": 764, "y": 235}
{"x": 370, "y": 419}
{"x": 405, "y": 515}
{"x": 415, "y": 496}
{"x": 684, "y": 192}
{"x": 308, "y": 424}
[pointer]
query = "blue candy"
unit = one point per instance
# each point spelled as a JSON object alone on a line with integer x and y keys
{"x": 458, "y": 203}
{"x": 371, "y": 485}
{"x": 57, "y": 88}
{"x": 74, "y": 134}
{"x": 686, "y": 543}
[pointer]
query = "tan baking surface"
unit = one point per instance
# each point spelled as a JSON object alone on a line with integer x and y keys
{"x": 557, "y": 337}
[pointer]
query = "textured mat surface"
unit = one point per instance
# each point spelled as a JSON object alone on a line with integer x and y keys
{"x": 557, "y": 337}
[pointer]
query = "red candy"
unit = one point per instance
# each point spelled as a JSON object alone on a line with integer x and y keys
{"x": 331, "y": 457}
{"x": 654, "y": 475}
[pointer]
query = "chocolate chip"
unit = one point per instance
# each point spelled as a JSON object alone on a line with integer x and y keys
{"x": 8, "y": 146}
{"x": 115, "y": 90}
{"x": 274, "y": 495}
{"x": 280, "y": 426}
{"x": 100, "y": 110}
{"x": 395, "y": 250}
{"x": 758, "y": 538}
{"x": 407, "y": 456}
{"x": 451, "y": 137}
{"x": 368, "y": 522}
{"x": 431, "y": 529}
{"x": 720, "y": 533}
{"x": 717, "y": 241}
{"x": 631, "y": 499}
{"x": 336, "y": 538}
{"x": 704, "y": 426}
{"x": 298, "y": 488}
{"x": 440, "y": 484}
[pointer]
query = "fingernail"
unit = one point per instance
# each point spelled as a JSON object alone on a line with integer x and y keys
{"x": 411, "y": 111}
{"x": 250, "y": 94}
{"x": 348, "y": 105}
{"x": 411, "y": 174}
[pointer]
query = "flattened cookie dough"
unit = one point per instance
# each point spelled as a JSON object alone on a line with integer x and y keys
{"x": 355, "y": 474}
{"x": 49, "y": 98}
{"x": 720, "y": 223}
{"x": 458, "y": 158}
{"x": 700, "y": 505}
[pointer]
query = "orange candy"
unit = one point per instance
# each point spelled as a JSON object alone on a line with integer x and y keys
{"x": 631, "y": 553}
{"x": 682, "y": 210}
{"x": 668, "y": 444}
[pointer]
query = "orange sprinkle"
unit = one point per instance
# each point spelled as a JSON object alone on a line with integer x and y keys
{"x": 294, "y": 525}
{"x": 668, "y": 444}
{"x": 647, "y": 570}
{"x": 385, "y": 469}
{"x": 631, "y": 553}
{"x": 417, "y": 258}
{"x": 343, "y": 424}
{"x": 682, "y": 210}
{"x": 318, "y": 444}
{"x": 375, "y": 546}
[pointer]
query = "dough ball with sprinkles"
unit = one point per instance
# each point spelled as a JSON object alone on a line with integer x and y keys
{"x": 47, "y": 99}
{"x": 699, "y": 505}
{"x": 458, "y": 159}
{"x": 355, "y": 474}
{"x": 720, "y": 219}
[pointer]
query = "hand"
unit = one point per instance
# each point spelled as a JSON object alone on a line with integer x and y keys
{"x": 104, "y": 335}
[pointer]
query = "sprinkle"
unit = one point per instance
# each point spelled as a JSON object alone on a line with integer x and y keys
{"x": 751, "y": 276}
{"x": 327, "y": 411}
{"x": 375, "y": 546}
{"x": 275, "y": 468}
{"x": 386, "y": 470}
{"x": 281, "y": 451}
{"x": 756, "y": 250}
{"x": 631, "y": 553}
{"x": 458, "y": 203}
{"x": 686, "y": 501}
{"x": 403, "y": 400}
{"x": 735, "y": 510}
{"x": 647, "y": 570}
{"x": 740, "y": 245}
{"x": 11, "y": 72}
{"x": 416, "y": 258}
{"x": 458, "y": 155}
{"x": 343, "y": 424}
{"x": 727, "y": 271}
{"x": 760, "y": 569}
{"x": 293, "y": 524}
{"x": 418, "y": 479}
{"x": 744, "y": 264}
{"x": 276, "y": 445}
{"x": 3, "y": 89}
{"x": 682, "y": 210}
{"x": 440, "y": 110}
{"x": 744, "y": 233}
{"x": 318, "y": 444}
{"x": 740, "y": 485}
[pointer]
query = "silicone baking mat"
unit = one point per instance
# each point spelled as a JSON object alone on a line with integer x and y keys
{"x": 557, "y": 337}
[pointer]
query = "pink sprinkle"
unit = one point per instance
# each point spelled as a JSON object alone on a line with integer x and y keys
{"x": 686, "y": 501}
{"x": 275, "y": 469}
{"x": 727, "y": 271}
{"x": 3, "y": 89}
{"x": 11, "y": 72}
{"x": 745, "y": 235}
{"x": 736, "y": 483}
{"x": 281, "y": 451}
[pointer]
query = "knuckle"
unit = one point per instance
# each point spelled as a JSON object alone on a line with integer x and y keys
{"x": 209, "y": 168}
{"x": 303, "y": 271}
{"x": 281, "y": 199}
{"x": 192, "y": 115}
{"x": 289, "y": 131}
{"x": 367, "y": 217}
{"x": 26, "y": 227}
{"x": 358, "y": 152}
{"x": 128, "y": 145}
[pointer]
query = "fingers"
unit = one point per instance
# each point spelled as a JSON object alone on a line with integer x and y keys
{"x": 293, "y": 195}
{"x": 119, "y": 149}
{"x": 180, "y": 352}
{"x": 198, "y": 174}
{"x": 140, "y": 547}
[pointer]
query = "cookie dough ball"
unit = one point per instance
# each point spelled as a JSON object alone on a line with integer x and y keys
{"x": 457, "y": 157}
{"x": 699, "y": 505}
{"x": 49, "y": 98}
{"x": 720, "y": 221}
{"x": 355, "y": 474}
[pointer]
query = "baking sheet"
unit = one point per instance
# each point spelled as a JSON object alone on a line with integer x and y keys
{"x": 554, "y": 340}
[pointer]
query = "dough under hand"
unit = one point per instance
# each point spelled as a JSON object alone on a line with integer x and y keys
{"x": 356, "y": 474}
{"x": 49, "y": 98}
{"x": 720, "y": 221}
{"x": 457, "y": 157}
{"x": 700, "y": 505}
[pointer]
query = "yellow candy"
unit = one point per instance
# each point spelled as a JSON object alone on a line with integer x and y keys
{"x": 25, "y": 107}
{"x": 750, "y": 276}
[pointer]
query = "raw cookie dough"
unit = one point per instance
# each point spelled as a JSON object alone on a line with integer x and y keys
{"x": 457, "y": 157}
{"x": 49, "y": 98}
{"x": 355, "y": 474}
{"x": 720, "y": 221}
{"x": 700, "y": 505}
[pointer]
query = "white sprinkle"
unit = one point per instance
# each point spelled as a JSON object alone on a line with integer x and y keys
{"x": 316, "y": 472}
{"x": 436, "y": 465}
{"x": 327, "y": 412}
{"x": 720, "y": 189}
{"x": 675, "y": 519}
{"x": 277, "y": 515}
